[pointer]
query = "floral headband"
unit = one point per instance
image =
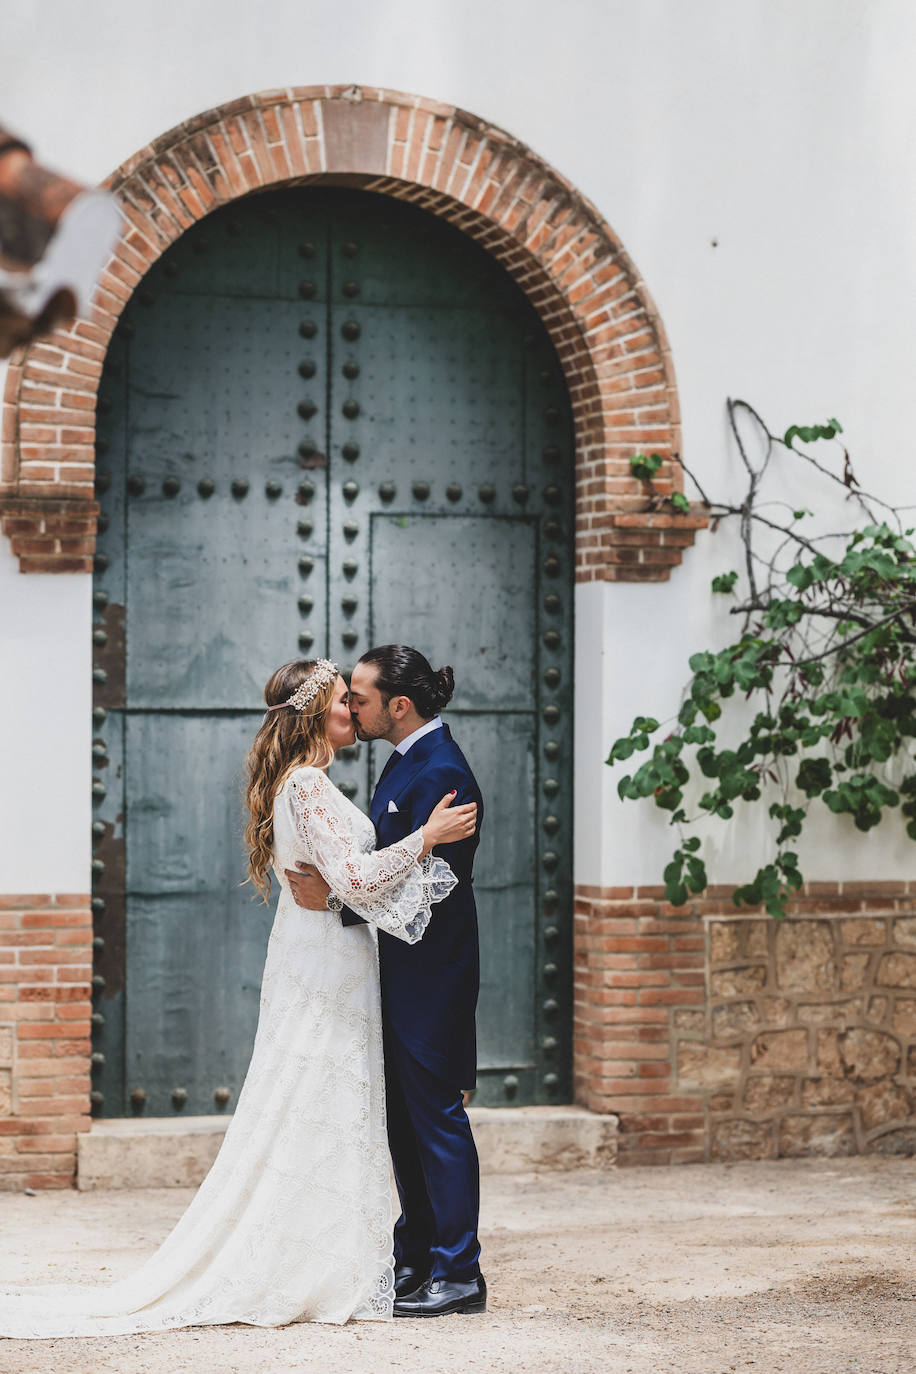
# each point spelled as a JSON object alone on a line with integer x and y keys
{"x": 322, "y": 675}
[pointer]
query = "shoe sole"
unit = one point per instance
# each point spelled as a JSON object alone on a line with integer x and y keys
{"x": 472, "y": 1309}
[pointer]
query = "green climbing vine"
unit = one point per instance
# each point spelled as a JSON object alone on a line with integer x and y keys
{"x": 825, "y": 660}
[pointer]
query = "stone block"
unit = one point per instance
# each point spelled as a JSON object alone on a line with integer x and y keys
{"x": 689, "y": 1020}
{"x": 6, "y": 1092}
{"x": 827, "y": 1092}
{"x": 853, "y": 971}
{"x": 825, "y": 1137}
{"x": 170, "y": 1153}
{"x": 877, "y": 1009}
{"x": 707, "y": 1066}
{"x": 724, "y": 941}
{"x": 738, "y": 982}
{"x": 768, "y": 1092}
{"x": 776, "y": 1010}
{"x": 6, "y": 1044}
{"x": 785, "y": 1050}
{"x": 904, "y": 1017}
{"x": 897, "y": 971}
{"x": 742, "y": 1140}
{"x": 883, "y": 1102}
{"x": 722, "y": 1102}
{"x": 804, "y": 956}
{"x": 828, "y": 1054}
{"x": 839, "y": 1014}
{"x": 734, "y": 1018}
{"x": 862, "y": 931}
{"x": 756, "y": 938}
{"x": 900, "y": 1143}
{"x": 905, "y": 932}
{"x": 869, "y": 1054}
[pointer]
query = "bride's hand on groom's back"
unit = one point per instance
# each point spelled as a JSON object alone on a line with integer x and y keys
{"x": 447, "y": 823}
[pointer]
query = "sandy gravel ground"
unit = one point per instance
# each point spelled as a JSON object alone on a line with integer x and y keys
{"x": 801, "y": 1266}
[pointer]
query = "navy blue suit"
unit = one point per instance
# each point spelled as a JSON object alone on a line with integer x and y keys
{"x": 429, "y": 1000}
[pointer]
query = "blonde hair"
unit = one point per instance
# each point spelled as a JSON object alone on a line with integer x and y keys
{"x": 287, "y": 739}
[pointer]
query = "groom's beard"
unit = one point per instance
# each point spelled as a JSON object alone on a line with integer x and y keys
{"x": 380, "y": 730}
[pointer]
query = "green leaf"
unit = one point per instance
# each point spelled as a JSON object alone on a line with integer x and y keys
{"x": 698, "y": 734}
{"x": 645, "y": 466}
{"x": 813, "y": 776}
{"x": 810, "y": 433}
{"x": 800, "y": 576}
{"x": 724, "y": 582}
{"x": 680, "y": 503}
{"x": 621, "y": 749}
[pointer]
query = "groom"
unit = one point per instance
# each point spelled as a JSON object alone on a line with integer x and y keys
{"x": 429, "y": 990}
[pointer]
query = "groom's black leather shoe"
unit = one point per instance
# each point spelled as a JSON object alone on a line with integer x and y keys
{"x": 439, "y": 1297}
{"x": 407, "y": 1279}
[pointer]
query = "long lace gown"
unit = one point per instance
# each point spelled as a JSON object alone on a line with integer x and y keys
{"x": 293, "y": 1221}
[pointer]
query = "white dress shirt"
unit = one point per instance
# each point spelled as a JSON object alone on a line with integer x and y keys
{"x": 410, "y": 740}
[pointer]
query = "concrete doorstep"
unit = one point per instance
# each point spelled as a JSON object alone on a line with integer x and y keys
{"x": 176, "y": 1152}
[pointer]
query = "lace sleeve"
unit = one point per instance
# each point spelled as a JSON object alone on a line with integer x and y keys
{"x": 391, "y": 888}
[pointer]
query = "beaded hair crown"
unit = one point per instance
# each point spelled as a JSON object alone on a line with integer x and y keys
{"x": 322, "y": 675}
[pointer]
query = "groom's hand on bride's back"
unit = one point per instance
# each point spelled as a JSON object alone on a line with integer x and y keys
{"x": 308, "y": 887}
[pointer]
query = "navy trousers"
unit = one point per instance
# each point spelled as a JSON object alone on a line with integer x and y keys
{"x": 435, "y": 1169}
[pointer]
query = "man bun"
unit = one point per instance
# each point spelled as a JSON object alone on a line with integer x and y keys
{"x": 445, "y": 687}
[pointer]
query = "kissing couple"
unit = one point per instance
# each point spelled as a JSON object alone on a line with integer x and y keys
{"x": 365, "y": 1038}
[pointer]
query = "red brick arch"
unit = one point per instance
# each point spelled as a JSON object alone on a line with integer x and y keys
{"x": 607, "y": 332}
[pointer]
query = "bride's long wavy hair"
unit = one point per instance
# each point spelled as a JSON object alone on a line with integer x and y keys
{"x": 287, "y": 739}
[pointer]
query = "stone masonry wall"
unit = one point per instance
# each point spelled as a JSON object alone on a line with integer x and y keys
{"x": 45, "y": 968}
{"x": 723, "y": 1036}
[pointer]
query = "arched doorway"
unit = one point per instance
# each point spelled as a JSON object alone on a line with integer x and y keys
{"x": 327, "y": 419}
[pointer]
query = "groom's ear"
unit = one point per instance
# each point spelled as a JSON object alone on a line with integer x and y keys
{"x": 399, "y": 707}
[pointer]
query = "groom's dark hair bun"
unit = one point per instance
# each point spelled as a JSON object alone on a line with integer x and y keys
{"x": 404, "y": 672}
{"x": 446, "y": 680}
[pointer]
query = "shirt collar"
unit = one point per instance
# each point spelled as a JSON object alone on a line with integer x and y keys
{"x": 410, "y": 740}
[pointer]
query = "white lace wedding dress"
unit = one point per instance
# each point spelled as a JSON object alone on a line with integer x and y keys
{"x": 293, "y": 1221}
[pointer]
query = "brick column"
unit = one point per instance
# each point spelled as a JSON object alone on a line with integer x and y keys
{"x": 45, "y": 971}
{"x": 639, "y": 968}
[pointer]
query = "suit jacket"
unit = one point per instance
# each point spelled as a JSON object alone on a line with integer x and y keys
{"x": 429, "y": 990}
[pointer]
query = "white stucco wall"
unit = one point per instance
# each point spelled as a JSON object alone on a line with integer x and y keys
{"x": 45, "y": 730}
{"x": 757, "y": 160}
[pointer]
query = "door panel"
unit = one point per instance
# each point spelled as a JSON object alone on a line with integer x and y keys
{"x": 195, "y": 947}
{"x": 433, "y": 584}
{"x": 326, "y": 420}
{"x": 212, "y": 574}
{"x": 435, "y": 581}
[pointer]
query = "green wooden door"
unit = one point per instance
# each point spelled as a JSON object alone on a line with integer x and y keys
{"x": 326, "y": 421}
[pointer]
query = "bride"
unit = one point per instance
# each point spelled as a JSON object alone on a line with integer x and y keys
{"x": 293, "y": 1221}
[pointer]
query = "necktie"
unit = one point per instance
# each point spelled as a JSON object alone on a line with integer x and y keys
{"x": 395, "y": 758}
